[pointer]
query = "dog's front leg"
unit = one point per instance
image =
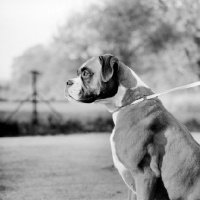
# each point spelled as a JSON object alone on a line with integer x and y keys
{"x": 131, "y": 195}
{"x": 145, "y": 184}
{"x": 130, "y": 182}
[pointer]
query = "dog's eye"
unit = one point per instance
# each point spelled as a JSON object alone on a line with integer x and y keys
{"x": 85, "y": 74}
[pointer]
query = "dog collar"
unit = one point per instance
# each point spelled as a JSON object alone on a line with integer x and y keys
{"x": 159, "y": 94}
{"x": 134, "y": 102}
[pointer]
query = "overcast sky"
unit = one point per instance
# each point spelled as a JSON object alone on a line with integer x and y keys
{"x": 25, "y": 23}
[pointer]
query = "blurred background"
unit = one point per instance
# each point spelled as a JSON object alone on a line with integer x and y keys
{"x": 159, "y": 40}
{"x": 42, "y": 45}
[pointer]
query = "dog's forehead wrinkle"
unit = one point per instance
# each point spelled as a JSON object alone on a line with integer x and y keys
{"x": 92, "y": 65}
{"x": 85, "y": 68}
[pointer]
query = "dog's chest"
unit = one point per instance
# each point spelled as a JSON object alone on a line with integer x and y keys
{"x": 121, "y": 168}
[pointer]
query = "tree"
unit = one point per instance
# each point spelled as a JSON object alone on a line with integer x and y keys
{"x": 159, "y": 39}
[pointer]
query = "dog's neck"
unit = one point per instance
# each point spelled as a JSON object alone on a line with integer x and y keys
{"x": 131, "y": 88}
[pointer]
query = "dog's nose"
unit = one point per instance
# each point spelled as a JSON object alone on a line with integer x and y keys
{"x": 70, "y": 82}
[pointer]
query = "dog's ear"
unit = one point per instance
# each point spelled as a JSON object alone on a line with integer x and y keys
{"x": 109, "y": 63}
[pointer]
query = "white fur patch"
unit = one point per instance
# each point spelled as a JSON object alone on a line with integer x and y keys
{"x": 75, "y": 89}
{"x": 116, "y": 161}
{"x": 139, "y": 81}
{"x": 120, "y": 167}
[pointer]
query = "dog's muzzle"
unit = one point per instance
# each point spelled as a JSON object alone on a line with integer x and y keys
{"x": 73, "y": 88}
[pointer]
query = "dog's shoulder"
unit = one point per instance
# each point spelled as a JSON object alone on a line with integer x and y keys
{"x": 145, "y": 113}
{"x": 139, "y": 123}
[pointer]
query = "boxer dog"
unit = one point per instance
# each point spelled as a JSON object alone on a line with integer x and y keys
{"x": 153, "y": 152}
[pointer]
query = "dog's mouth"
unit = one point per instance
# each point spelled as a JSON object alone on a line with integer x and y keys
{"x": 69, "y": 97}
{"x": 88, "y": 100}
{"x": 84, "y": 100}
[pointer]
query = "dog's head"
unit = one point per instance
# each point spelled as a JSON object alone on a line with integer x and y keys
{"x": 106, "y": 80}
{"x": 97, "y": 79}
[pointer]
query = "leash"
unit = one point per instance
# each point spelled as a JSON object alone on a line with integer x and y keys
{"x": 191, "y": 85}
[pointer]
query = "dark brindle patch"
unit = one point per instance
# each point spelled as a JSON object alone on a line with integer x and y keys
{"x": 134, "y": 94}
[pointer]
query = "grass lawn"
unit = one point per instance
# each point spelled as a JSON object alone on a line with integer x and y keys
{"x": 59, "y": 168}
